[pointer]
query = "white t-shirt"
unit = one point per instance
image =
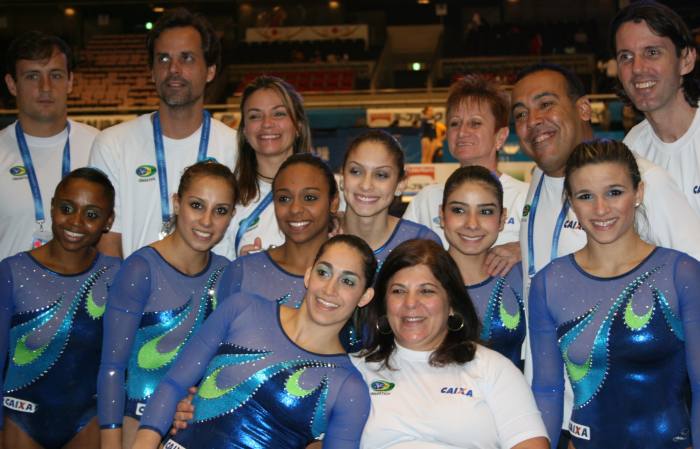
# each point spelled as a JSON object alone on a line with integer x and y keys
{"x": 485, "y": 403}
{"x": 680, "y": 158}
{"x": 17, "y": 220}
{"x": 670, "y": 222}
{"x": 126, "y": 152}
{"x": 264, "y": 227}
{"x": 425, "y": 208}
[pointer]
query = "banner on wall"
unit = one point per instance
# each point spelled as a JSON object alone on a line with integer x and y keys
{"x": 401, "y": 117}
{"x": 312, "y": 33}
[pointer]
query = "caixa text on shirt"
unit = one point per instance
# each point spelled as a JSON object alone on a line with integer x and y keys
{"x": 19, "y": 405}
{"x": 462, "y": 391}
{"x": 579, "y": 431}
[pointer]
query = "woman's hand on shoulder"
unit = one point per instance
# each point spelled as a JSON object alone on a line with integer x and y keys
{"x": 251, "y": 247}
{"x": 502, "y": 258}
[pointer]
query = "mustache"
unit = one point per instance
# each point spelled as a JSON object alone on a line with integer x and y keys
{"x": 176, "y": 78}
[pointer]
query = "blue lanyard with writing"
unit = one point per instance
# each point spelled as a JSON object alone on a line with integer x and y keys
{"x": 250, "y": 219}
{"x": 531, "y": 230}
{"x": 31, "y": 173}
{"x": 160, "y": 159}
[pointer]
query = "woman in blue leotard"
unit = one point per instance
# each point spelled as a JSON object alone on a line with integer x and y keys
{"x": 472, "y": 215}
{"x": 305, "y": 198}
{"x": 51, "y": 303}
{"x": 373, "y": 175}
{"x": 274, "y": 383}
{"x": 621, "y": 315}
{"x": 162, "y": 293}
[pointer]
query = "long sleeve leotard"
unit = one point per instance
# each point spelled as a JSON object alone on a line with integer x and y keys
{"x": 628, "y": 344}
{"x": 258, "y": 388}
{"x": 153, "y": 309}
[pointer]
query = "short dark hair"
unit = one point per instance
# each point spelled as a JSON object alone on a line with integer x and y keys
{"x": 598, "y": 151}
{"x": 476, "y": 87}
{"x": 93, "y": 175}
{"x": 246, "y": 170}
{"x": 664, "y": 22}
{"x": 574, "y": 85}
{"x": 34, "y": 46}
{"x": 369, "y": 262}
{"x": 207, "y": 168}
{"x": 473, "y": 173}
{"x": 181, "y": 17}
{"x": 390, "y": 144}
{"x": 314, "y": 161}
{"x": 459, "y": 346}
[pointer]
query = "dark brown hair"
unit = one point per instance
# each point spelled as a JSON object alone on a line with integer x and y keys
{"x": 390, "y": 144}
{"x": 206, "y": 169}
{"x": 473, "y": 173}
{"x": 369, "y": 262}
{"x": 35, "y": 46}
{"x": 459, "y": 346}
{"x": 93, "y": 175}
{"x": 247, "y": 165}
{"x": 181, "y": 17}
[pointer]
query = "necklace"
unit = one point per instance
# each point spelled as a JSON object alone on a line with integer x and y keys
{"x": 265, "y": 178}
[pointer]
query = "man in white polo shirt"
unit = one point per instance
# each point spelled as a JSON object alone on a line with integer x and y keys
{"x": 144, "y": 158}
{"x": 656, "y": 60}
{"x": 42, "y": 146}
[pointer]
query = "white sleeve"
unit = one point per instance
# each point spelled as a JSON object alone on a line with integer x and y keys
{"x": 418, "y": 209}
{"x": 670, "y": 222}
{"x": 511, "y": 402}
{"x": 104, "y": 156}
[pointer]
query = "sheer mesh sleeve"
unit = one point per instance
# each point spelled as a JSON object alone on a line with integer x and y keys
{"x": 687, "y": 281}
{"x": 548, "y": 365}
{"x": 188, "y": 368}
{"x": 231, "y": 280}
{"x": 127, "y": 299}
{"x": 348, "y": 416}
{"x": 6, "y": 311}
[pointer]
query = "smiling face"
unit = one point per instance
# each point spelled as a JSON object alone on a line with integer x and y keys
{"x": 80, "y": 213}
{"x": 649, "y": 68}
{"x": 269, "y": 127}
{"x": 472, "y": 136}
{"x": 336, "y": 285}
{"x": 417, "y": 308}
{"x": 302, "y": 203}
{"x": 472, "y": 218}
{"x": 204, "y": 211}
{"x": 370, "y": 179}
{"x": 180, "y": 71}
{"x": 604, "y": 199}
{"x": 41, "y": 88}
{"x": 548, "y": 123}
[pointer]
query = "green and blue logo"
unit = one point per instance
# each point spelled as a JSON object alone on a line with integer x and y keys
{"x": 145, "y": 171}
{"x": 382, "y": 386}
{"x": 18, "y": 170}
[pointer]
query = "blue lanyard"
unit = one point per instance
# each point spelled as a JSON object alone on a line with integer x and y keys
{"x": 160, "y": 159}
{"x": 31, "y": 173}
{"x": 531, "y": 230}
{"x": 248, "y": 221}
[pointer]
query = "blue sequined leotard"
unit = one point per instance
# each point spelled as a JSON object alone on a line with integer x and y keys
{"x": 51, "y": 326}
{"x": 628, "y": 344}
{"x": 499, "y": 303}
{"x": 259, "y": 274}
{"x": 152, "y": 311}
{"x": 258, "y": 388}
{"x": 404, "y": 230}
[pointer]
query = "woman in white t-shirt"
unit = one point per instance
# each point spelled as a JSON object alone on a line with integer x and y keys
{"x": 273, "y": 127}
{"x": 432, "y": 385}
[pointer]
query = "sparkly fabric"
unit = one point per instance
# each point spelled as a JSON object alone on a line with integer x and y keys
{"x": 153, "y": 310}
{"x": 404, "y": 230}
{"x": 499, "y": 303}
{"x": 258, "y": 389}
{"x": 51, "y": 326}
{"x": 258, "y": 274}
{"x": 628, "y": 344}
